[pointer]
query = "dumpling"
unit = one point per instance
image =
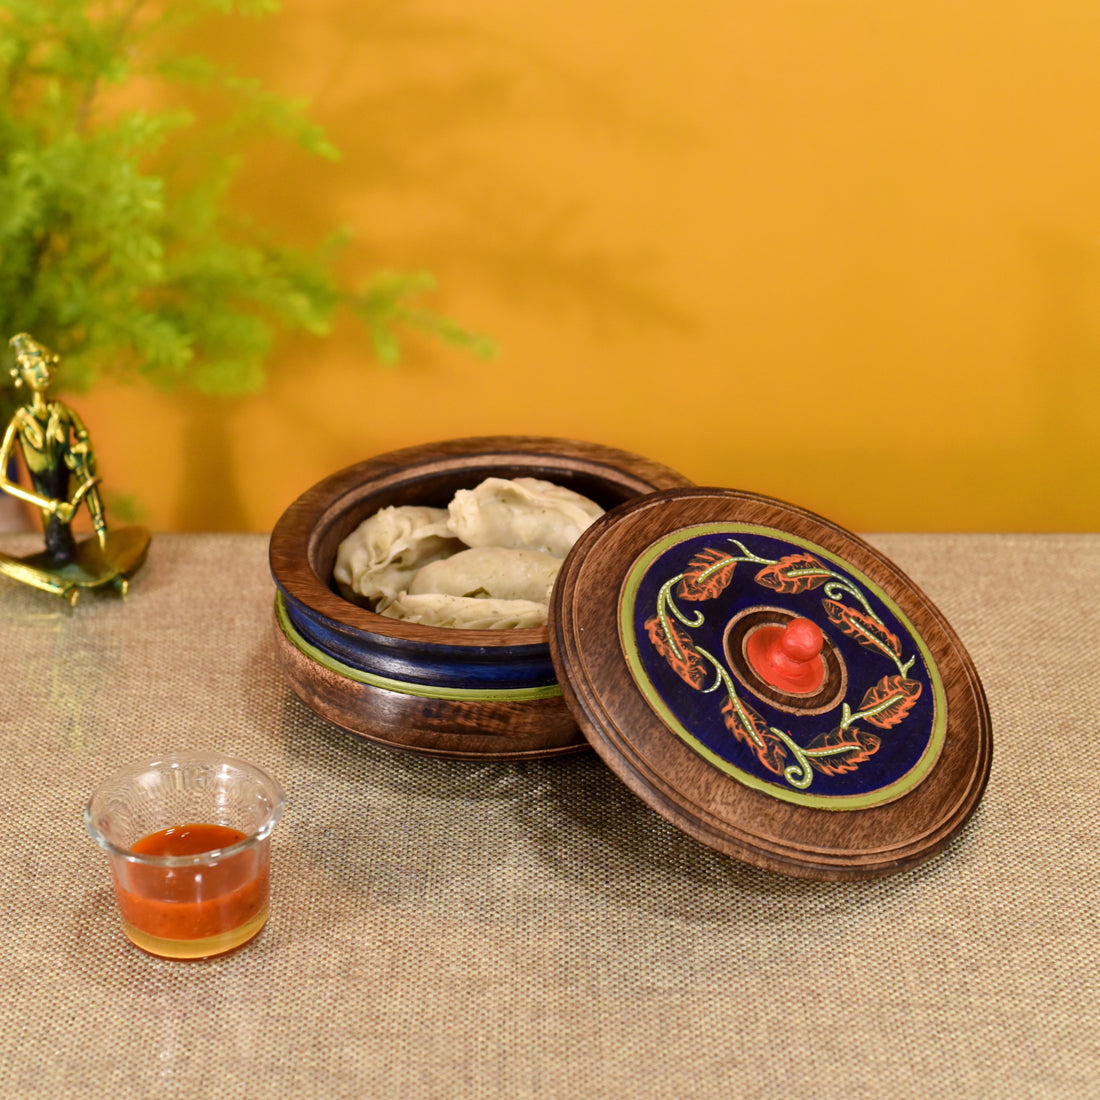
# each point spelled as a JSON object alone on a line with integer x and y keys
{"x": 493, "y": 572}
{"x": 523, "y": 512}
{"x": 487, "y": 562}
{"x": 380, "y": 557}
{"x": 463, "y": 612}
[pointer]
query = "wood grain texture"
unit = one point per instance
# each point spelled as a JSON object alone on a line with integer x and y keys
{"x": 456, "y": 730}
{"x": 701, "y": 800}
{"x": 303, "y": 550}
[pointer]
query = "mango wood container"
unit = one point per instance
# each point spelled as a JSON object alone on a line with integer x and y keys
{"x": 473, "y": 694}
{"x": 764, "y": 679}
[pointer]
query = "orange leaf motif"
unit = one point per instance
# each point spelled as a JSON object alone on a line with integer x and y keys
{"x": 676, "y": 648}
{"x": 709, "y": 574}
{"x": 891, "y": 699}
{"x": 748, "y": 727}
{"x": 794, "y": 573}
{"x": 865, "y": 630}
{"x": 846, "y": 748}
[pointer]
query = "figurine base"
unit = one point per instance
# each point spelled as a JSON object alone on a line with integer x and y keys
{"x": 92, "y": 567}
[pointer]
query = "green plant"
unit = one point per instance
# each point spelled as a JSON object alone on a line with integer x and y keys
{"x": 120, "y": 247}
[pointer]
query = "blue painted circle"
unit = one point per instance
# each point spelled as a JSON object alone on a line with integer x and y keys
{"x": 876, "y": 743}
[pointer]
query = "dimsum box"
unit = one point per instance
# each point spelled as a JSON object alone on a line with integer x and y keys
{"x": 760, "y": 676}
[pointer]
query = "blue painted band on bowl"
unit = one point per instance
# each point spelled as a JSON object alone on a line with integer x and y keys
{"x": 427, "y": 669}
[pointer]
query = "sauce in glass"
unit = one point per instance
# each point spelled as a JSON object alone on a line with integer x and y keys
{"x": 188, "y": 840}
{"x": 200, "y": 909}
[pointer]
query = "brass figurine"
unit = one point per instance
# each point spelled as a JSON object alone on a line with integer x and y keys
{"x": 62, "y": 470}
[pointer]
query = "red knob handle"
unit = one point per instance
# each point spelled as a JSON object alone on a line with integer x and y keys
{"x": 801, "y": 640}
{"x": 788, "y": 657}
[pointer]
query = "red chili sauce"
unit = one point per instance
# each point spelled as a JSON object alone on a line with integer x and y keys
{"x": 193, "y": 902}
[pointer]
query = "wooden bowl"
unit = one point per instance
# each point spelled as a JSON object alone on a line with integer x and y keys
{"x": 479, "y": 694}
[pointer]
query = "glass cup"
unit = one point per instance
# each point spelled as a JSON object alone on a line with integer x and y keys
{"x": 188, "y": 839}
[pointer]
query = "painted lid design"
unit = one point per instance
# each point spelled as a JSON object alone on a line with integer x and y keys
{"x": 869, "y": 721}
{"x": 770, "y": 683}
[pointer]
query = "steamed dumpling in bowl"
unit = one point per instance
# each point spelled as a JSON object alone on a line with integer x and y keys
{"x": 381, "y": 556}
{"x": 490, "y": 572}
{"x": 463, "y": 612}
{"x": 486, "y": 562}
{"x": 522, "y": 513}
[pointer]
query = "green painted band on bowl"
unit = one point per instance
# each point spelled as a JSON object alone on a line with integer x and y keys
{"x": 403, "y": 687}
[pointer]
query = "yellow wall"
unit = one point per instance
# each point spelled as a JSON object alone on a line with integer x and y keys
{"x": 842, "y": 252}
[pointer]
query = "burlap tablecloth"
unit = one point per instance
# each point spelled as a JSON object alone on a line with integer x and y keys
{"x": 508, "y": 930}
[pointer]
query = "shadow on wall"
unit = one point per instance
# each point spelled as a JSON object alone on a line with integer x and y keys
{"x": 210, "y": 495}
{"x": 420, "y": 105}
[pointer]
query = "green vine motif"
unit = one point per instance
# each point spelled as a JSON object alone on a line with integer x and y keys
{"x": 800, "y": 774}
{"x": 702, "y": 579}
{"x": 841, "y": 586}
{"x": 801, "y": 572}
{"x": 835, "y": 589}
{"x": 839, "y": 750}
{"x": 746, "y": 556}
{"x": 666, "y": 603}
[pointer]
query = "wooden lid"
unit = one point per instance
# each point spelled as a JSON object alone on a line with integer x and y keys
{"x": 865, "y": 766}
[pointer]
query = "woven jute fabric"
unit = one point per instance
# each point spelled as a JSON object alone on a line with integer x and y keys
{"x": 446, "y": 929}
